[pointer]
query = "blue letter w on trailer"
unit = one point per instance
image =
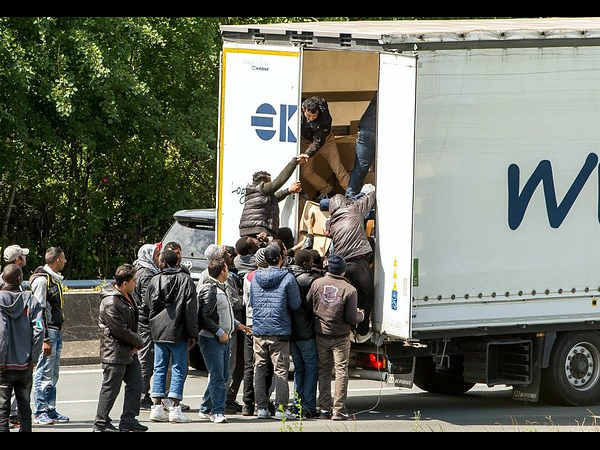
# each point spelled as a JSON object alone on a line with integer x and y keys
{"x": 517, "y": 203}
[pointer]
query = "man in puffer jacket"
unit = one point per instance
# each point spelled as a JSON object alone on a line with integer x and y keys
{"x": 173, "y": 305}
{"x": 119, "y": 343}
{"x": 346, "y": 227}
{"x": 303, "y": 345}
{"x": 273, "y": 293}
{"x": 21, "y": 337}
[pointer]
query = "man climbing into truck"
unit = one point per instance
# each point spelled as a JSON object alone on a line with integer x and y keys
{"x": 346, "y": 227}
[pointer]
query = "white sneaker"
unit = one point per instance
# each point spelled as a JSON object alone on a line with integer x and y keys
{"x": 263, "y": 414}
{"x": 176, "y": 415}
{"x": 220, "y": 418}
{"x": 205, "y": 416}
{"x": 287, "y": 413}
{"x": 158, "y": 414}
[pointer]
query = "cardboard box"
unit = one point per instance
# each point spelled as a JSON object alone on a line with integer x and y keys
{"x": 320, "y": 218}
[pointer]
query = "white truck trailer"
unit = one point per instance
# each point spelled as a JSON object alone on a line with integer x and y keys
{"x": 487, "y": 267}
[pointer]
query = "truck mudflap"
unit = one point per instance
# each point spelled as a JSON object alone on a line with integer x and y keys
{"x": 403, "y": 379}
{"x": 531, "y": 392}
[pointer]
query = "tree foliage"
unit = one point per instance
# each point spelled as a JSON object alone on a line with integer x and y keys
{"x": 108, "y": 125}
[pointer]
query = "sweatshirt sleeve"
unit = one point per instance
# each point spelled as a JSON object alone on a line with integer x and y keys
{"x": 351, "y": 314}
{"x": 366, "y": 203}
{"x": 277, "y": 183}
{"x": 38, "y": 288}
{"x": 320, "y": 134}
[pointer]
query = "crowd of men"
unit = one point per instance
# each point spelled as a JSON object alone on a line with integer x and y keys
{"x": 255, "y": 305}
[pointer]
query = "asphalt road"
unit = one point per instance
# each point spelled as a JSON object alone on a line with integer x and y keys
{"x": 393, "y": 409}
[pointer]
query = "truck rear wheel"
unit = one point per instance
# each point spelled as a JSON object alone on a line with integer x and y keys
{"x": 429, "y": 380}
{"x": 573, "y": 377}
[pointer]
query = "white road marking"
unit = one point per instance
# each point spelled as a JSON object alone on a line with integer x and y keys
{"x": 239, "y": 396}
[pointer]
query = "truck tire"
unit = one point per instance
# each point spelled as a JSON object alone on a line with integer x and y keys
{"x": 196, "y": 359}
{"x": 573, "y": 377}
{"x": 429, "y": 380}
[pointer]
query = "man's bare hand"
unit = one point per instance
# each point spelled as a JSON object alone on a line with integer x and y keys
{"x": 302, "y": 159}
{"x": 262, "y": 237}
{"x": 245, "y": 329}
{"x": 224, "y": 338}
{"x": 295, "y": 187}
{"x": 47, "y": 348}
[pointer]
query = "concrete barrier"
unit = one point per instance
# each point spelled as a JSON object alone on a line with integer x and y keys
{"x": 81, "y": 334}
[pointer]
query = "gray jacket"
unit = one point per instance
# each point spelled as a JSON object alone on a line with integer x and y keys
{"x": 227, "y": 322}
{"x": 21, "y": 330}
{"x": 346, "y": 225}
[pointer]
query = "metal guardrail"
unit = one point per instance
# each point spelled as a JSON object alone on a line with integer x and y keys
{"x": 79, "y": 284}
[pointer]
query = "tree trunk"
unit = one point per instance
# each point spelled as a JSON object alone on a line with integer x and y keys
{"x": 11, "y": 202}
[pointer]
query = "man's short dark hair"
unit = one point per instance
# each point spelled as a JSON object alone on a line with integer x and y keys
{"x": 317, "y": 259}
{"x": 231, "y": 250}
{"x": 245, "y": 246}
{"x": 311, "y": 104}
{"x": 287, "y": 236}
{"x": 216, "y": 266}
{"x": 169, "y": 258}
{"x": 261, "y": 176}
{"x": 124, "y": 273}
{"x": 173, "y": 246}
{"x": 272, "y": 254}
{"x": 12, "y": 274}
{"x": 303, "y": 258}
{"x": 52, "y": 254}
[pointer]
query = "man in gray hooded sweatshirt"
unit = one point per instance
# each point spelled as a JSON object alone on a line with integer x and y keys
{"x": 21, "y": 337}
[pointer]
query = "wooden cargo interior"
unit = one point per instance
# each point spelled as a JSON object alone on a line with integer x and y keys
{"x": 348, "y": 81}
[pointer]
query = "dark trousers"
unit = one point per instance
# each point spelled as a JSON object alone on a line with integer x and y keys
{"x": 248, "y": 398}
{"x": 237, "y": 353}
{"x": 359, "y": 275}
{"x": 146, "y": 356}
{"x": 114, "y": 375}
{"x": 19, "y": 381}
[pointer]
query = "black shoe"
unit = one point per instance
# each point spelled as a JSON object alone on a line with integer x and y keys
{"x": 132, "y": 426}
{"x": 247, "y": 410}
{"x": 272, "y": 408}
{"x": 146, "y": 403}
{"x": 14, "y": 421}
{"x": 310, "y": 414}
{"x": 325, "y": 415}
{"x": 233, "y": 407}
{"x": 108, "y": 427}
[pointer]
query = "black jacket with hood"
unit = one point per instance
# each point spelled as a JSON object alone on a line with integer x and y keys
{"x": 142, "y": 279}
{"x": 173, "y": 306}
{"x": 118, "y": 321}
{"x": 303, "y": 318}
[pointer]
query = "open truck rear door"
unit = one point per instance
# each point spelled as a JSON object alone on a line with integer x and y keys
{"x": 395, "y": 169}
{"x": 258, "y": 127}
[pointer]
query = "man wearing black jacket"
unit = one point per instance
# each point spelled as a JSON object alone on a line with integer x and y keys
{"x": 119, "y": 343}
{"x": 302, "y": 343}
{"x": 173, "y": 306}
{"x": 317, "y": 136}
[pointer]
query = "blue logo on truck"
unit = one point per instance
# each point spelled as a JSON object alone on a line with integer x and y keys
{"x": 264, "y": 125}
{"x": 517, "y": 203}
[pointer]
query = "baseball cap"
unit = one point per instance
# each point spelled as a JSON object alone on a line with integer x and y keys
{"x": 12, "y": 252}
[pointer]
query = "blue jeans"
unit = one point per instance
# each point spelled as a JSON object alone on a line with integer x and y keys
{"x": 216, "y": 357}
{"x": 304, "y": 354}
{"x": 163, "y": 352}
{"x": 45, "y": 376}
{"x": 365, "y": 153}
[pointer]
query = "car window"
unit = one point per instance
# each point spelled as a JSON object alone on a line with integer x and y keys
{"x": 191, "y": 237}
